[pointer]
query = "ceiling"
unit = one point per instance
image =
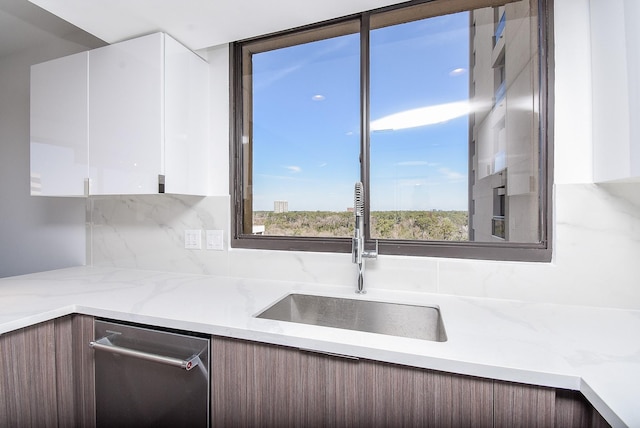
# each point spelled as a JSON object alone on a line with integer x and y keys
{"x": 23, "y": 25}
{"x": 198, "y": 24}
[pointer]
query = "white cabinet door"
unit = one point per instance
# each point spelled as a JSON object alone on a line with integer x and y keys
{"x": 59, "y": 126}
{"x": 126, "y": 116}
{"x": 186, "y": 120}
{"x": 615, "y": 65}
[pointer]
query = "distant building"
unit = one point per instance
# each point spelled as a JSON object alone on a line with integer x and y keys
{"x": 280, "y": 207}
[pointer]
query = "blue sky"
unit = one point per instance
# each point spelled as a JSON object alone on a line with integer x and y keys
{"x": 306, "y": 120}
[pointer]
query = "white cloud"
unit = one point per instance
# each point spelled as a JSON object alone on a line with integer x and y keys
{"x": 422, "y": 116}
{"x": 277, "y": 75}
{"x": 294, "y": 169}
{"x": 452, "y": 175}
{"x": 457, "y": 72}
{"x": 416, "y": 163}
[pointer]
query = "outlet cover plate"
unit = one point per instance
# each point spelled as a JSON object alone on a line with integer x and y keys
{"x": 215, "y": 240}
{"x": 193, "y": 239}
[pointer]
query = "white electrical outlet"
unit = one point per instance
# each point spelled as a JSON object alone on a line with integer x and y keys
{"x": 193, "y": 239}
{"x": 215, "y": 240}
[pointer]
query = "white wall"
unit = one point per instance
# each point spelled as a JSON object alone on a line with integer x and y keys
{"x": 36, "y": 234}
{"x": 597, "y": 228}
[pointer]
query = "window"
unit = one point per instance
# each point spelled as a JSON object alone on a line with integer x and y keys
{"x": 440, "y": 111}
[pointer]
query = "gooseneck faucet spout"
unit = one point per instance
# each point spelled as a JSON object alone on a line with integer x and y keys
{"x": 358, "y": 253}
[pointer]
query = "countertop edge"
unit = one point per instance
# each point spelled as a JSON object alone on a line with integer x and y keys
{"x": 41, "y": 297}
{"x": 598, "y": 403}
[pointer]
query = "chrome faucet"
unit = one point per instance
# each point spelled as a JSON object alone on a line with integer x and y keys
{"x": 358, "y": 253}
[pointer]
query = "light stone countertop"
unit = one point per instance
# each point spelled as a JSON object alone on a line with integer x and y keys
{"x": 593, "y": 350}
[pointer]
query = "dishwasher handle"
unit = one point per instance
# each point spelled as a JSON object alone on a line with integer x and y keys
{"x": 104, "y": 345}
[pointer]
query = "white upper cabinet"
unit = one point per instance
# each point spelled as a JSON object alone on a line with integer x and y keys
{"x": 615, "y": 67}
{"x": 144, "y": 119}
{"x": 59, "y": 149}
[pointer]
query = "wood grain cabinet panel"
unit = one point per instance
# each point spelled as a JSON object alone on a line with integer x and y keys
{"x": 463, "y": 401}
{"x": 574, "y": 411}
{"x": 42, "y": 383}
{"x": 29, "y": 384}
{"x": 65, "y": 388}
{"x": 4, "y": 409}
{"x": 256, "y": 384}
{"x": 519, "y": 405}
{"x": 83, "y": 371}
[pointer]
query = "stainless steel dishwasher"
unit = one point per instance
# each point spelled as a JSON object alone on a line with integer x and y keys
{"x": 150, "y": 378}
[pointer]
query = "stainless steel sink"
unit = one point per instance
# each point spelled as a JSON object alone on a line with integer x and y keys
{"x": 417, "y": 322}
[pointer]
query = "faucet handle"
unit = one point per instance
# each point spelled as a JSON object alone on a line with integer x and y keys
{"x": 371, "y": 254}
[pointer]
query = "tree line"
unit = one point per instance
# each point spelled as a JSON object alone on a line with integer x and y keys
{"x": 411, "y": 225}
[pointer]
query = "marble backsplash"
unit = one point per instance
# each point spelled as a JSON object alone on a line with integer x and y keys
{"x": 595, "y": 262}
{"x": 147, "y": 232}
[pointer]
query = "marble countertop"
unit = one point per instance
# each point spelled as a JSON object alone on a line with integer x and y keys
{"x": 593, "y": 350}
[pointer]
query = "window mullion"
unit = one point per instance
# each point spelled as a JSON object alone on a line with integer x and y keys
{"x": 365, "y": 117}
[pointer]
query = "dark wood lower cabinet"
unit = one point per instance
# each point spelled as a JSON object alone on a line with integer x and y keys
{"x": 44, "y": 379}
{"x": 29, "y": 377}
{"x": 574, "y": 411}
{"x": 518, "y": 405}
{"x": 47, "y": 380}
{"x": 255, "y": 384}
{"x": 83, "y": 371}
{"x": 271, "y": 386}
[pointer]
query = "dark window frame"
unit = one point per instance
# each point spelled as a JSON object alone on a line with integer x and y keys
{"x": 502, "y": 251}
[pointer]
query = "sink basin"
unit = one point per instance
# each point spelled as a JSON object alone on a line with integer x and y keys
{"x": 417, "y": 322}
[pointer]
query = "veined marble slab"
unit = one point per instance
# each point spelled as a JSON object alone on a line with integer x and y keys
{"x": 594, "y": 350}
